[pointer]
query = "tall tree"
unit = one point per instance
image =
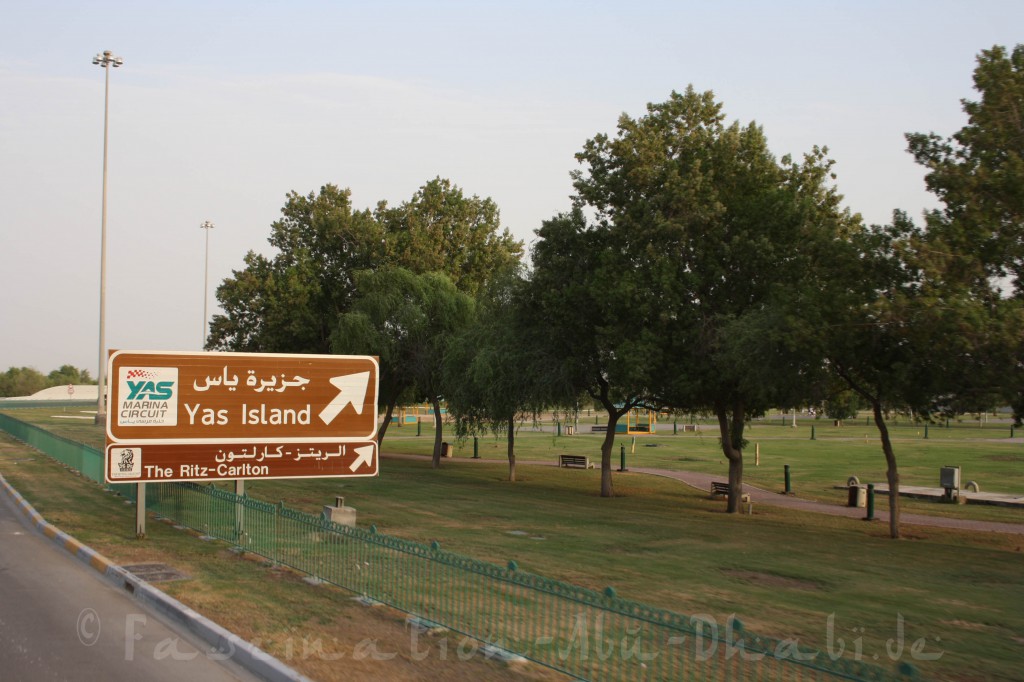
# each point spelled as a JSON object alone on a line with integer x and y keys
{"x": 977, "y": 238}
{"x": 978, "y": 174}
{"x": 905, "y": 336}
{"x": 594, "y": 334}
{"x": 710, "y": 240}
{"x": 290, "y": 303}
{"x": 407, "y": 320}
{"x": 498, "y": 371}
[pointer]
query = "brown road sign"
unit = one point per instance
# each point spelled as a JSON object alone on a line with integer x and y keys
{"x": 165, "y": 462}
{"x": 209, "y": 398}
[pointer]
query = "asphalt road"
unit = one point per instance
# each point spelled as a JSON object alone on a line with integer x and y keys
{"x": 60, "y": 621}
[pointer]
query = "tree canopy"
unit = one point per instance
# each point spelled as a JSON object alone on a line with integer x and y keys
{"x": 499, "y": 371}
{"x": 701, "y": 248}
{"x": 407, "y": 320}
{"x": 978, "y": 174}
{"x": 290, "y": 303}
{"x": 24, "y": 381}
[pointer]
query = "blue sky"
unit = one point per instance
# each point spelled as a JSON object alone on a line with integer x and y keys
{"x": 222, "y": 108}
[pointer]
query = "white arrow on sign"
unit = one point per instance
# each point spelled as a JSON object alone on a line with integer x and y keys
{"x": 365, "y": 456}
{"x": 351, "y": 391}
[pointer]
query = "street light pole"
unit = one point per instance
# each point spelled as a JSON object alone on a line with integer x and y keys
{"x": 207, "y": 226}
{"x": 105, "y": 60}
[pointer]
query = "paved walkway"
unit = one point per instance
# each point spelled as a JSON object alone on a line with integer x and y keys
{"x": 702, "y": 481}
{"x": 761, "y": 496}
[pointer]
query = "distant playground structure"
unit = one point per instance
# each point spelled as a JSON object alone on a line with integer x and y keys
{"x": 411, "y": 414}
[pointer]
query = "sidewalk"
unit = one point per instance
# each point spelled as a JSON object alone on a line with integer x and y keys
{"x": 760, "y": 496}
{"x": 702, "y": 482}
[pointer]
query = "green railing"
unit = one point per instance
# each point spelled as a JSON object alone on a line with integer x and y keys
{"x": 82, "y": 458}
{"x": 501, "y": 609}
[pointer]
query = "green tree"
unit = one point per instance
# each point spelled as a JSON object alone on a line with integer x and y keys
{"x": 843, "y": 404}
{"x": 290, "y": 303}
{"x": 22, "y": 381}
{"x": 978, "y": 174}
{"x": 923, "y": 323}
{"x": 709, "y": 241}
{"x": 407, "y": 320}
{"x": 69, "y": 374}
{"x": 904, "y": 336}
{"x": 498, "y": 371}
{"x": 581, "y": 295}
{"x": 977, "y": 238}
{"x": 442, "y": 230}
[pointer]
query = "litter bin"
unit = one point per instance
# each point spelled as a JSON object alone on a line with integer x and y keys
{"x": 858, "y": 496}
{"x": 446, "y": 450}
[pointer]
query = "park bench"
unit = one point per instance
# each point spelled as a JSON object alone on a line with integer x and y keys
{"x": 575, "y": 461}
{"x": 718, "y": 488}
{"x": 599, "y": 428}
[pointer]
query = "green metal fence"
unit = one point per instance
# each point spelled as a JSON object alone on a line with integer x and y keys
{"x": 588, "y": 634}
{"x": 82, "y": 458}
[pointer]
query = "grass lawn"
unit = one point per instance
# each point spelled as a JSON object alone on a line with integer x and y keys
{"x": 783, "y": 573}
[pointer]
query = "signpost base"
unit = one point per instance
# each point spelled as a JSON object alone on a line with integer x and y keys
{"x": 140, "y": 511}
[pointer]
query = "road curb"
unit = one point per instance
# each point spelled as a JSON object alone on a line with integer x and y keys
{"x": 224, "y": 644}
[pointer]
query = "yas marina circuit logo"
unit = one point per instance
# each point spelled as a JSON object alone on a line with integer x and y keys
{"x": 147, "y": 396}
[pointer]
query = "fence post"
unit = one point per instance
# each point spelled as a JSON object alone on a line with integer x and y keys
{"x": 622, "y": 458}
{"x": 239, "y": 510}
{"x": 274, "y": 548}
{"x": 789, "y": 488}
{"x": 871, "y": 503}
{"x": 476, "y": 448}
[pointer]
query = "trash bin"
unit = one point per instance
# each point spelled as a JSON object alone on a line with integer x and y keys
{"x": 858, "y": 496}
{"x": 446, "y": 450}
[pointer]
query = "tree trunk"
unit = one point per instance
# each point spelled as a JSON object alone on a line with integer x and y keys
{"x": 606, "y": 455}
{"x": 731, "y": 429}
{"x": 511, "y": 440}
{"x": 436, "y": 404}
{"x": 891, "y": 473}
{"x": 383, "y": 428}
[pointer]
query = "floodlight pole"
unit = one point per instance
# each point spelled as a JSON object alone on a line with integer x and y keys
{"x": 106, "y": 60}
{"x": 206, "y": 226}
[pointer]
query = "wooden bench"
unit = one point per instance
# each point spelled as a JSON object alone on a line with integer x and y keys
{"x": 602, "y": 428}
{"x": 719, "y": 489}
{"x": 575, "y": 461}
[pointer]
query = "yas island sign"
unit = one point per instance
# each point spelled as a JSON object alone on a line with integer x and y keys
{"x": 187, "y": 413}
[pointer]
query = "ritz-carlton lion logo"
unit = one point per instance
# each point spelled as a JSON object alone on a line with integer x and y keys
{"x": 125, "y": 463}
{"x": 147, "y": 396}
